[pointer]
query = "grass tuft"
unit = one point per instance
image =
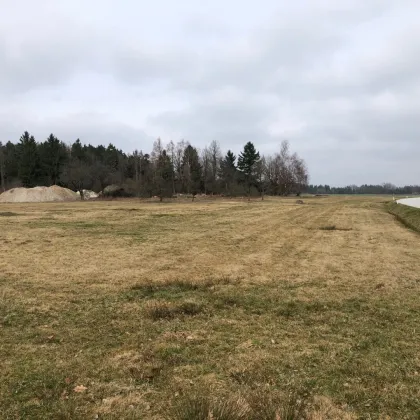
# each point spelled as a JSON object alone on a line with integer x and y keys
{"x": 328, "y": 227}
{"x": 251, "y": 406}
{"x": 161, "y": 309}
{"x": 8, "y": 214}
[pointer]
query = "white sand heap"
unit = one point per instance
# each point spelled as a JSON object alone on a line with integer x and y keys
{"x": 38, "y": 195}
{"x": 88, "y": 194}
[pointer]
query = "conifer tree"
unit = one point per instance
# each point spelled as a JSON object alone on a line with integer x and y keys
{"x": 228, "y": 171}
{"x": 53, "y": 157}
{"x": 247, "y": 164}
{"x": 29, "y": 163}
{"x": 192, "y": 171}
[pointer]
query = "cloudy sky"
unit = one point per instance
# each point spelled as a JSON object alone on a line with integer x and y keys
{"x": 340, "y": 79}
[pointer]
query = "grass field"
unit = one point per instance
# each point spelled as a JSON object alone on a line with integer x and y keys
{"x": 261, "y": 310}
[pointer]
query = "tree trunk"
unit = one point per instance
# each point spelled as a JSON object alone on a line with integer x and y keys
{"x": 82, "y": 195}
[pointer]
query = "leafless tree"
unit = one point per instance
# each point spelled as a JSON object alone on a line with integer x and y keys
{"x": 170, "y": 149}
{"x": 179, "y": 153}
{"x": 215, "y": 156}
{"x": 286, "y": 173}
{"x": 207, "y": 172}
{"x": 261, "y": 176}
{"x": 80, "y": 176}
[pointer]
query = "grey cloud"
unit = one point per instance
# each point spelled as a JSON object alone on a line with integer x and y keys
{"x": 91, "y": 128}
{"x": 232, "y": 123}
{"x": 342, "y": 77}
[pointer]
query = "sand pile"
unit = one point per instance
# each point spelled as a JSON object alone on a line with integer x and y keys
{"x": 38, "y": 195}
{"x": 88, "y": 194}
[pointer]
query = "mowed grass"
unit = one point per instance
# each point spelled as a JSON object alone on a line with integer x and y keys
{"x": 261, "y": 310}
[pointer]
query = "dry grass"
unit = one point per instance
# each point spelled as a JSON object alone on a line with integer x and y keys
{"x": 211, "y": 306}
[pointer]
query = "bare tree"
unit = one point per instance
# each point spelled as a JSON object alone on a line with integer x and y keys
{"x": 215, "y": 156}
{"x": 157, "y": 150}
{"x": 79, "y": 175}
{"x": 286, "y": 173}
{"x": 207, "y": 173}
{"x": 178, "y": 168}
{"x": 300, "y": 173}
{"x": 261, "y": 176}
{"x": 170, "y": 148}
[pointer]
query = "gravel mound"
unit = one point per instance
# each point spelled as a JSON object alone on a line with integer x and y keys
{"x": 38, "y": 195}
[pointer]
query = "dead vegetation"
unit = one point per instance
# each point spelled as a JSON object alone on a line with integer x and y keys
{"x": 334, "y": 227}
{"x": 217, "y": 309}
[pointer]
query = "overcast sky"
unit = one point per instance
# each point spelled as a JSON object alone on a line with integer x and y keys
{"x": 340, "y": 79}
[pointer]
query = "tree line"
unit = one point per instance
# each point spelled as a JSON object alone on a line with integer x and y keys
{"x": 174, "y": 168}
{"x": 386, "y": 188}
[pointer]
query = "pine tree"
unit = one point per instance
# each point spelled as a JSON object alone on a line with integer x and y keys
{"x": 112, "y": 158}
{"x": 192, "y": 171}
{"x": 228, "y": 171}
{"x": 53, "y": 156}
{"x": 163, "y": 176}
{"x": 11, "y": 161}
{"x": 3, "y": 166}
{"x": 77, "y": 151}
{"x": 247, "y": 164}
{"x": 29, "y": 163}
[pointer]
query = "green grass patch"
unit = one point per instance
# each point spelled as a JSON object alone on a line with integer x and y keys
{"x": 408, "y": 216}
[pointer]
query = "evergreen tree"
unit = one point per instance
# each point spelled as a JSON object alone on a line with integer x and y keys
{"x": 228, "y": 171}
{"x": 112, "y": 158}
{"x": 2, "y": 166}
{"x": 29, "y": 163}
{"x": 247, "y": 164}
{"x": 11, "y": 162}
{"x": 192, "y": 171}
{"x": 53, "y": 156}
{"x": 163, "y": 176}
{"x": 77, "y": 151}
{"x": 146, "y": 175}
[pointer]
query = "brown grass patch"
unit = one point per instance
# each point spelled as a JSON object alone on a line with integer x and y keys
{"x": 143, "y": 304}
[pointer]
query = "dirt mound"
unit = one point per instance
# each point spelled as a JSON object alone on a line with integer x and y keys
{"x": 38, "y": 195}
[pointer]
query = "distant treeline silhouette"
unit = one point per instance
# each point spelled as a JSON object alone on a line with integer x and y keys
{"x": 174, "y": 168}
{"x": 385, "y": 188}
